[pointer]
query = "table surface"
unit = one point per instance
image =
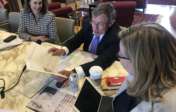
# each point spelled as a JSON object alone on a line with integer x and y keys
{"x": 12, "y": 61}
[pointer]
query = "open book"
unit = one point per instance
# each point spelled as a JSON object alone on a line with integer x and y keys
{"x": 40, "y": 60}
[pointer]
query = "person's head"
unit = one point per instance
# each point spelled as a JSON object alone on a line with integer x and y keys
{"x": 149, "y": 51}
{"x": 103, "y": 16}
{"x": 36, "y": 6}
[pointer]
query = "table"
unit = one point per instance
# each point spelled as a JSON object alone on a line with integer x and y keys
{"x": 12, "y": 63}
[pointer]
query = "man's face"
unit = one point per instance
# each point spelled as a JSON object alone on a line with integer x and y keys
{"x": 100, "y": 24}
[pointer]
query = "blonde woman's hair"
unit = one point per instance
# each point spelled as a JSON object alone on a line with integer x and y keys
{"x": 152, "y": 52}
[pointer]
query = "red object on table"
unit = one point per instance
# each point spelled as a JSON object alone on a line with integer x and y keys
{"x": 115, "y": 81}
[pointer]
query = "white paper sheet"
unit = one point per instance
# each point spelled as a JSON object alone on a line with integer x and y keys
{"x": 13, "y": 43}
{"x": 40, "y": 60}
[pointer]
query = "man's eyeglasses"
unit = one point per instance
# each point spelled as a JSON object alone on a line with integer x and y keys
{"x": 121, "y": 57}
{"x": 98, "y": 24}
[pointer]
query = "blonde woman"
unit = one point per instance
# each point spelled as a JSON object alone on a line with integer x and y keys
{"x": 148, "y": 53}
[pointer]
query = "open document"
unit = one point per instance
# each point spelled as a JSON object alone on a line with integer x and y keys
{"x": 40, "y": 60}
{"x": 75, "y": 59}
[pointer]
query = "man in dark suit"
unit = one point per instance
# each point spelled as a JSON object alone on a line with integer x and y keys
{"x": 103, "y": 28}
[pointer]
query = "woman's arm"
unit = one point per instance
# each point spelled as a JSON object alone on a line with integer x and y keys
{"x": 22, "y": 29}
{"x": 52, "y": 31}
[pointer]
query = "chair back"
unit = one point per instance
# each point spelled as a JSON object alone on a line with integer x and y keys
{"x": 125, "y": 12}
{"x": 65, "y": 28}
{"x": 53, "y": 6}
{"x": 13, "y": 20}
{"x": 3, "y": 15}
{"x": 3, "y": 19}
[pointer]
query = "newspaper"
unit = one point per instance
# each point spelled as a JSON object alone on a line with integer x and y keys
{"x": 75, "y": 59}
{"x": 52, "y": 99}
{"x": 40, "y": 60}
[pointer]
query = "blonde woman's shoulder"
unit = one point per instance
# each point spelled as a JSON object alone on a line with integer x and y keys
{"x": 170, "y": 100}
{"x": 167, "y": 104}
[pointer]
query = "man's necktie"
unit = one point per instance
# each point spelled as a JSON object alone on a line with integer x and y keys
{"x": 93, "y": 45}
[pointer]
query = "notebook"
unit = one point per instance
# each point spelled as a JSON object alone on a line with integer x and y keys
{"x": 91, "y": 99}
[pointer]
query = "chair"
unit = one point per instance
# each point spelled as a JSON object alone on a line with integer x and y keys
{"x": 11, "y": 23}
{"x": 59, "y": 11}
{"x": 3, "y": 15}
{"x": 52, "y": 6}
{"x": 4, "y": 25}
{"x": 13, "y": 20}
{"x": 3, "y": 19}
{"x": 139, "y": 3}
{"x": 125, "y": 12}
{"x": 65, "y": 2}
{"x": 65, "y": 28}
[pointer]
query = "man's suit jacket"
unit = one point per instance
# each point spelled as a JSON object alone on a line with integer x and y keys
{"x": 106, "y": 50}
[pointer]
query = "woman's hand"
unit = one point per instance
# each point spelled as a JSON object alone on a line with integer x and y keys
{"x": 41, "y": 38}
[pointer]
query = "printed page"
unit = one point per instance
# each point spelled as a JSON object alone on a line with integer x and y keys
{"x": 40, "y": 60}
{"x": 52, "y": 99}
{"x": 75, "y": 59}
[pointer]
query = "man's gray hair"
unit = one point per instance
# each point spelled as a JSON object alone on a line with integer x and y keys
{"x": 107, "y": 9}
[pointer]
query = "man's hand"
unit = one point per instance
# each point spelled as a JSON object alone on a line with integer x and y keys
{"x": 66, "y": 72}
{"x": 56, "y": 51}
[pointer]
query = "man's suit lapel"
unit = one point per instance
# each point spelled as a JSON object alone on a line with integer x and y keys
{"x": 107, "y": 36}
{"x": 90, "y": 38}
